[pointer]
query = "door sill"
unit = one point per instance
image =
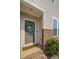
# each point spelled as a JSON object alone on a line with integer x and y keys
{"x": 29, "y": 46}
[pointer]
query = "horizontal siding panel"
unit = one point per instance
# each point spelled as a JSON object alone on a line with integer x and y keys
{"x": 50, "y": 10}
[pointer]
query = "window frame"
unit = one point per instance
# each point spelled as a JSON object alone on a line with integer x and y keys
{"x": 55, "y": 18}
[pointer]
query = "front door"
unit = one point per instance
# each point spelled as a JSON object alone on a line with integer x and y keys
{"x": 29, "y": 32}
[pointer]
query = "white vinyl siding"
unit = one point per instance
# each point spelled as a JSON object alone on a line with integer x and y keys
{"x": 49, "y": 10}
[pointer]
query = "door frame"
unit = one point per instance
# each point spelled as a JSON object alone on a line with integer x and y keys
{"x": 35, "y": 30}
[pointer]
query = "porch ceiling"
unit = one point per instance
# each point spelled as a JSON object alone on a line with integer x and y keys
{"x": 29, "y": 9}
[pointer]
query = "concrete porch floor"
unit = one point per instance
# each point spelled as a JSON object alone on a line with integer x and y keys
{"x": 33, "y": 53}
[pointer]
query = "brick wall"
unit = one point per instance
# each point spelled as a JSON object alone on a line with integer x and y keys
{"x": 47, "y": 33}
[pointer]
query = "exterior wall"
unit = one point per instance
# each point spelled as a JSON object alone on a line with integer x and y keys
{"x": 22, "y": 31}
{"x": 46, "y": 35}
{"x": 49, "y": 10}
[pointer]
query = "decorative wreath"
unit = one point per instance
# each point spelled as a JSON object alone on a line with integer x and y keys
{"x": 29, "y": 26}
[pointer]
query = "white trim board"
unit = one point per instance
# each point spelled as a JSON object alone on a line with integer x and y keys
{"x": 35, "y": 29}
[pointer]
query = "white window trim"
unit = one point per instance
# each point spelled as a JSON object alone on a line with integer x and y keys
{"x": 57, "y": 25}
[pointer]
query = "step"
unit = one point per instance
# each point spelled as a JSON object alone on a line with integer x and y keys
{"x": 33, "y": 53}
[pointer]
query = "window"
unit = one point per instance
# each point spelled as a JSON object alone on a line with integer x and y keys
{"x": 55, "y": 27}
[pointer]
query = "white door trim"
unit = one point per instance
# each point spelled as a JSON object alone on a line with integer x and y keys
{"x": 35, "y": 29}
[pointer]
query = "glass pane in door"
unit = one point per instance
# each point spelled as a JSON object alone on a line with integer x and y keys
{"x": 29, "y": 32}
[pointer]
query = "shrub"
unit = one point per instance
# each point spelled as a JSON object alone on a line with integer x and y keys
{"x": 52, "y": 47}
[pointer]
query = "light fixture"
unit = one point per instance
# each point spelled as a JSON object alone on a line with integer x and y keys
{"x": 53, "y": 1}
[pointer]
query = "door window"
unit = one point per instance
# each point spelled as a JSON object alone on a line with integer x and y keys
{"x": 29, "y": 32}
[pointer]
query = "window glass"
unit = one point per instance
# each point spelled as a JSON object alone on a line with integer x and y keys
{"x": 55, "y": 27}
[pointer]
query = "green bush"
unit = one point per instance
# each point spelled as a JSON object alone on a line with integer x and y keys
{"x": 52, "y": 47}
